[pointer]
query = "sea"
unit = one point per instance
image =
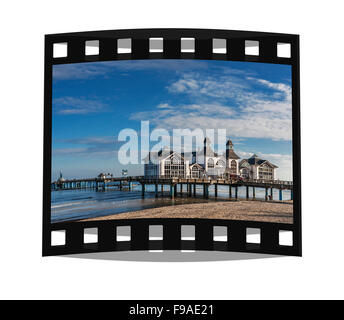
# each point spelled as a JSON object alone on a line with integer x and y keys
{"x": 67, "y": 205}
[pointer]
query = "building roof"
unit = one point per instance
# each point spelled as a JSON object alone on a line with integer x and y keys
{"x": 161, "y": 155}
{"x": 232, "y": 154}
{"x": 229, "y": 143}
{"x": 197, "y": 165}
{"x": 61, "y": 178}
{"x": 255, "y": 160}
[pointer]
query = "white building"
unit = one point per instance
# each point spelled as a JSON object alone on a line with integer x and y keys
{"x": 214, "y": 165}
{"x": 232, "y": 160}
{"x": 206, "y": 163}
{"x": 256, "y": 168}
{"x": 166, "y": 163}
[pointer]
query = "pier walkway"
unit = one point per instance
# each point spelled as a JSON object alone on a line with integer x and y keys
{"x": 101, "y": 184}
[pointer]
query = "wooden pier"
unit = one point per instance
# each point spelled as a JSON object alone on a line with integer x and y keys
{"x": 174, "y": 184}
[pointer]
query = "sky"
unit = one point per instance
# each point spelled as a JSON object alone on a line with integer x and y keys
{"x": 94, "y": 102}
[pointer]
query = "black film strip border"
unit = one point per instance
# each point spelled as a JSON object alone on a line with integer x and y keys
{"x": 203, "y": 41}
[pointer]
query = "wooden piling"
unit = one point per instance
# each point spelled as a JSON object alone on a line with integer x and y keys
{"x": 156, "y": 189}
{"x": 205, "y": 191}
{"x": 171, "y": 191}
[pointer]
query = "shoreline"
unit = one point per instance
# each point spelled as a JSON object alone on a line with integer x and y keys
{"x": 264, "y": 211}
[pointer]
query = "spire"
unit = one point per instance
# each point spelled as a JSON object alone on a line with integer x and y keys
{"x": 206, "y": 141}
{"x": 229, "y": 144}
{"x": 207, "y": 150}
{"x": 61, "y": 178}
{"x": 230, "y": 154}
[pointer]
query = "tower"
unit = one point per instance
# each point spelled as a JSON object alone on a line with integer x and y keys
{"x": 229, "y": 146}
{"x": 207, "y": 152}
{"x": 207, "y": 147}
{"x": 232, "y": 159}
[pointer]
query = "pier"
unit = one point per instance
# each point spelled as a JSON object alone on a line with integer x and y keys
{"x": 176, "y": 185}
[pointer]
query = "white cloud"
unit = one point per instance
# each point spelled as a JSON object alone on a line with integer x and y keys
{"x": 88, "y": 146}
{"x": 205, "y": 116}
{"x": 72, "y": 105}
{"x": 244, "y": 112}
{"x": 97, "y": 69}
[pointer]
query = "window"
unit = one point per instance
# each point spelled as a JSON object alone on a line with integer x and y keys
{"x": 220, "y": 163}
{"x": 245, "y": 173}
{"x": 195, "y": 172}
{"x": 210, "y": 163}
{"x": 174, "y": 167}
{"x": 265, "y": 172}
{"x": 233, "y": 167}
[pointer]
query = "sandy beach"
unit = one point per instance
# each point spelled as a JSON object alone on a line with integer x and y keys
{"x": 278, "y": 212}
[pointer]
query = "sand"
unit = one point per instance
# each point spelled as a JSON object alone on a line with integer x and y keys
{"x": 278, "y": 212}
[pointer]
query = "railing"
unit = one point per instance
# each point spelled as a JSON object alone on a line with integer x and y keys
{"x": 189, "y": 179}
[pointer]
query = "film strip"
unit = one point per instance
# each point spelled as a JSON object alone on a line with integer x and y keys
{"x": 200, "y": 44}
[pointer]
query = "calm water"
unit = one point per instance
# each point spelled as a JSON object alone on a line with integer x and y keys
{"x": 79, "y": 204}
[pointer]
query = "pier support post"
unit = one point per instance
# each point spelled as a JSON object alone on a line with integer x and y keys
{"x": 171, "y": 191}
{"x": 266, "y": 194}
{"x": 156, "y": 189}
{"x": 254, "y": 192}
{"x": 143, "y": 189}
{"x": 181, "y": 189}
{"x": 230, "y": 191}
{"x": 120, "y": 185}
{"x": 194, "y": 190}
{"x": 247, "y": 192}
{"x": 291, "y": 194}
{"x": 205, "y": 191}
{"x": 162, "y": 189}
{"x": 280, "y": 194}
{"x": 272, "y": 193}
{"x": 215, "y": 190}
{"x": 236, "y": 192}
{"x": 130, "y": 185}
{"x": 175, "y": 190}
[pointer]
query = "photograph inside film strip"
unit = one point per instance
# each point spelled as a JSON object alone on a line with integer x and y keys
{"x": 170, "y": 140}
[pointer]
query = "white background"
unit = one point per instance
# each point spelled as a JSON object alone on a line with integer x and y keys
{"x": 25, "y": 274}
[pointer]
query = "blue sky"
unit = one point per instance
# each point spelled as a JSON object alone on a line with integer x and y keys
{"x": 93, "y": 102}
